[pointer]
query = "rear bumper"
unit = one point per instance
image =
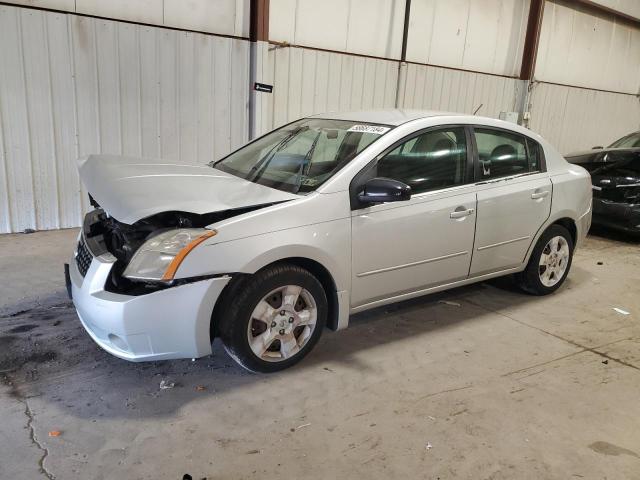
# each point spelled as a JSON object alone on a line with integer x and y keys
{"x": 583, "y": 225}
{"x": 166, "y": 324}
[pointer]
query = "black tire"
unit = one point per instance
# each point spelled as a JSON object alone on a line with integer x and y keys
{"x": 239, "y": 305}
{"x": 529, "y": 279}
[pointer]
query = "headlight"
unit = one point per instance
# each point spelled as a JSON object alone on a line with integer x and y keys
{"x": 159, "y": 257}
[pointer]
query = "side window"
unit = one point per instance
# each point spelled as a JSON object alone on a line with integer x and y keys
{"x": 501, "y": 153}
{"x": 534, "y": 151}
{"x": 434, "y": 160}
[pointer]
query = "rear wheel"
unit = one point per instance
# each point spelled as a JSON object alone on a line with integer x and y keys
{"x": 274, "y": 318}
{"x": 550, "y": 262}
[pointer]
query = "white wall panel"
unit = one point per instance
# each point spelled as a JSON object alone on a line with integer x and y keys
{"x": 484, "y": 36}
{"x": 578, "y": 119}
{"x": 72, "y": 85}
{"x": 230, "y": 17}
{"x": 435, "y": 88}
{"x": 366, "y": 27}
{"x": 628, "y": 7}
{"x": 144, "y": 11}
{"x": 227, "y": 17}
{"x": 581, "y": 49}
{"x": 311, "y": 81}
{"x": 68, "y": 5}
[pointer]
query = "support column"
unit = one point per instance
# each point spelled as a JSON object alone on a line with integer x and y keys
{"x": 529, "y": 54}
{"x": 402, "y": 67}
{"x": 259, "y": 100}
{"x": 531, "y": 40}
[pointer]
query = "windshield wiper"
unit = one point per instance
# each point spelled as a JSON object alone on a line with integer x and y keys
{"x": 306, "y": 163}
{"x": 262, "y": 164}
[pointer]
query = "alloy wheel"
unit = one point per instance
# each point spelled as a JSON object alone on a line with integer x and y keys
{"x": 282, "y": 323}
{"x": 553, "y": 261}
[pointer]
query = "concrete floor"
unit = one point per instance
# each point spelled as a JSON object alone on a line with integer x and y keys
{"x": 495, "y": 384}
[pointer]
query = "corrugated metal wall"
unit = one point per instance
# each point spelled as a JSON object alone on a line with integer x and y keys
{"x": 586, "y": 50}
{"x": 229, "y": 17}
{"x": 72, "y": 85}
{"x": 435, "y": 88}
{"x": 366, "y": 27}
{"x": 486, "y": 36}
{"x": 578, "y": 118}
{"x": 311, "y": 81}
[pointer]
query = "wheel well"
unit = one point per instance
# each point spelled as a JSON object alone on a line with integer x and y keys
{"x": 570, "y": 225}
{"x": 315, "y": 268}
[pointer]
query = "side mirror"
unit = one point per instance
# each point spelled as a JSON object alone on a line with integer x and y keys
{"x": 380, "y": 190}
{"x": 599, "y": 147}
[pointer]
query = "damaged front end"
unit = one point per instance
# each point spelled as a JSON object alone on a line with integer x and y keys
{"x": 104, "y": 235}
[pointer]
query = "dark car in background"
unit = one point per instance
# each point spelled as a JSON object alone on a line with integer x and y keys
{"x": 629, "y": 141}
{"x": 615, "y": 176}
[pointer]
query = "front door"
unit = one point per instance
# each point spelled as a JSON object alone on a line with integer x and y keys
{"x": 401, "y": 247}
{"x": 514, "y": 199}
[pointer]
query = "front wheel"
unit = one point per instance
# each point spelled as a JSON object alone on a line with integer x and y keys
{"x": 274, "y": 318}
{"x": 550, "y": 262}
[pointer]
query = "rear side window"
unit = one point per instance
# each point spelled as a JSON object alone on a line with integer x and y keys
{"x": 630, "y": 141}
{"x": 534, "y": 152}
{"x": 430, "y": 161}
{"x": 501, "y": 153}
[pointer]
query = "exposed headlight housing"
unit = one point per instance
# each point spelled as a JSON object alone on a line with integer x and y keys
{"x": 160, "y": 256}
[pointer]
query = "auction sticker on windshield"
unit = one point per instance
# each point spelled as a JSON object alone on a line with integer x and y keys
{"x": 378, "y": 130}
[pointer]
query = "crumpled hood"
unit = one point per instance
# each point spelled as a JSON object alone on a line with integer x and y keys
{"x": 130, "y": 189}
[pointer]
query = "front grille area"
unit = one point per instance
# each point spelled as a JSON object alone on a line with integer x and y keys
{"x": 83, "y": 257}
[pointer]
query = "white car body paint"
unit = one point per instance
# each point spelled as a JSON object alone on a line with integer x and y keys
{"x": 375, "y": 255}
{"x": 136, "y": 188}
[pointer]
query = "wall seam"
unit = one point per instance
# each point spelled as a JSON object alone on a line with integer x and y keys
{"x": 34, "y": 215}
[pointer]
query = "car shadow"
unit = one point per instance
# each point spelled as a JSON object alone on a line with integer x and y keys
{"x": 45, "y": 352}
{"x": 598, "y": 231}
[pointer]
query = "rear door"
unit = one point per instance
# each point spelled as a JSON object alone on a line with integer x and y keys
{"x": 616, "y": 185}
{"x": 514, "y": 198}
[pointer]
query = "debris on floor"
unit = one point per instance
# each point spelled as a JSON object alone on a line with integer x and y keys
{"x": 302, "y": 426}
{"x": 428, "y": 446}
{"x": 200, "y": 388}
{"x": 55, "y": 433}
{"x": 448, "y": 302}
{"x": 621, "y": 311}
{"x": 166, "y": 384}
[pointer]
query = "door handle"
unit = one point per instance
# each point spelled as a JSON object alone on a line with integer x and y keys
{"x": 461, "y": 213}
{"x": 536, "y": 195}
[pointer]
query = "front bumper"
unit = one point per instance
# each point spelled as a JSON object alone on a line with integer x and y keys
{"x": 166, "y": 324}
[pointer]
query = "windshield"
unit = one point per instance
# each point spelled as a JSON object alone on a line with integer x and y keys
{"x": 301, "y": 156}
{"x": 629, "y": 141}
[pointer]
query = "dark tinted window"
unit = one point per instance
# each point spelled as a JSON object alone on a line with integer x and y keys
{"x": 534, "y": 151}
{"x": 630, "y": 141}
{"x": 434, "y": 160}
{"x": 619, "y": 164}
{"x": 501, "y": 153}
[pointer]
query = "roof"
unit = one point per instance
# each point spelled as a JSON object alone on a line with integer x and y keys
{"x": 386, "y": 116}
{"x": 585, "y": 155}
